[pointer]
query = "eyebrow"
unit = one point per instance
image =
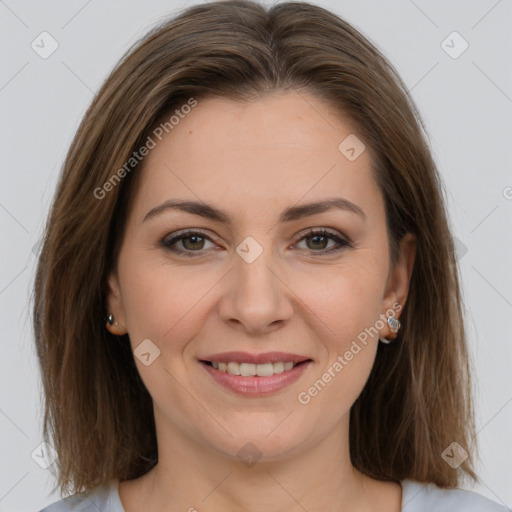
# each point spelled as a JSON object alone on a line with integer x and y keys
{"x": 290, "y": 214}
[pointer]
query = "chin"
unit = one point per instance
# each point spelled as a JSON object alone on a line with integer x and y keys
{"x": 251, "y": 444}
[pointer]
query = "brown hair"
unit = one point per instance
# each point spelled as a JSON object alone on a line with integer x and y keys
{"x": 417, "y": 400}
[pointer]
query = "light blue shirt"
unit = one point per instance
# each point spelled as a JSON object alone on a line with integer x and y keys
{"x": 416, "y": 497}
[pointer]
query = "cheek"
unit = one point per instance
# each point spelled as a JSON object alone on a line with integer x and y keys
{"x": 163, "y": 301}
{"x": 346, "y": 299}
{"x": 344, "y": 310}
{"x": 333, "y": 391}
{"x": 345, "y": 323}
{"x": 163, "y": 304}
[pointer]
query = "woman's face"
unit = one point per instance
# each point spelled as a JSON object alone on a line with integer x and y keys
{"x": 252, "y": 281}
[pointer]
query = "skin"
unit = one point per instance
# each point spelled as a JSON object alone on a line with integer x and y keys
{"x": 253, "y": 160}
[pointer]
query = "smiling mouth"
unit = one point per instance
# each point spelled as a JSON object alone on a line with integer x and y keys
{"x": 252, "y": 369}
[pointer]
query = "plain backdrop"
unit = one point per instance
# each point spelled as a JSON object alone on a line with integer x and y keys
{"x": 464, "y": 95}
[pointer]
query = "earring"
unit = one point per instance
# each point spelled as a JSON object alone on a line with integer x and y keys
{"x": 394, "y": 325}
{"x": 111, "y": 323}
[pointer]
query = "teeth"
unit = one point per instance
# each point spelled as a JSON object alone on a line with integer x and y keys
{"x": 251, "y": 370}
{"x": 233, "y": 368}
{"x": 278, "y": 367}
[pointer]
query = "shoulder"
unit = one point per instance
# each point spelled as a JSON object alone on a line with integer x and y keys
{"x": 423, "y": 497}
{"x": 103, "y": 497}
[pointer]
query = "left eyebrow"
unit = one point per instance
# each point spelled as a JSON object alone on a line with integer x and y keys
{"x": 288, "y": 215}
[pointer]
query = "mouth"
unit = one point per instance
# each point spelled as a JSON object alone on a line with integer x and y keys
{"x": 255, "y": 375}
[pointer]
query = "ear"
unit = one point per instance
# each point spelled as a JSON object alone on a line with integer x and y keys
{"x": 115, "y": 306}
{"x": 397, "y": 287}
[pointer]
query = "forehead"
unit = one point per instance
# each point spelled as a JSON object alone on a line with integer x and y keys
{"x": 253, "y": 155}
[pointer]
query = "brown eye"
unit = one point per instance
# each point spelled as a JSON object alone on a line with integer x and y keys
{"x": 190, "y": 241}
{"x": 196, "y": 242}
{"x": 320, "y": 239}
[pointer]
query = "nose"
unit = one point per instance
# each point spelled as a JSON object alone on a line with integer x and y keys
{"x": 257, "y": 298}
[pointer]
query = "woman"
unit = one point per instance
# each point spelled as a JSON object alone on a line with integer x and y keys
{"x": 220, "y": 359}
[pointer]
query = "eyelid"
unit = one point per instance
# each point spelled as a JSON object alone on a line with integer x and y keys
{"x": 186, "y": 231}
{"x": 342, "y": 241}
{"x": 326, "y": 230}
{"x": 183, "y": 233}
{"x": 301, "y": 234}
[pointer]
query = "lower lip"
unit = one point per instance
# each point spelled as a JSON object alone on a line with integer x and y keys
{"x": 256, "y": 386}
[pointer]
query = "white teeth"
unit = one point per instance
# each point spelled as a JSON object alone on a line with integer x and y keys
{"x": 233, "y": 368}
{"x": 247, "y": 369}
{"x": 278, "y": 367}
{"x": 250, "y": 369}
{"x": 264, "y": 370}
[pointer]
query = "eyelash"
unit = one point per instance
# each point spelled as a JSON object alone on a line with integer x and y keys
{"x": 167, "y": 243}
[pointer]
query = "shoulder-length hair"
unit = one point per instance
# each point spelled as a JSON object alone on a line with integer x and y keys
{"x": 417, "y": 400}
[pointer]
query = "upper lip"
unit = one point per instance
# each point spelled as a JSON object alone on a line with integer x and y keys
{"x": 246, "y": 357}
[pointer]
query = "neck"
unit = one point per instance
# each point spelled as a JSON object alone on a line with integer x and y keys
{"x": 192, "y": 477}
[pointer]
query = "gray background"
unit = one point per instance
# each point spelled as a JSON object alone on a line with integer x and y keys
{"x": 466, "y": 103}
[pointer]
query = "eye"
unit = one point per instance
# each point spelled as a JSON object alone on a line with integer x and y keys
{"x": 191, "y": 241}
{"x": 320, "y": 237}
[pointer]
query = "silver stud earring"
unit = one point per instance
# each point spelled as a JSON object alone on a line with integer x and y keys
{"x": 394, "y": 325}
{"x": 110, "y": 319}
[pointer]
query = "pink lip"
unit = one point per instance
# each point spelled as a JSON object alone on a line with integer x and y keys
{"x": 256, "y": 386}
{"x": 246, "y": 357}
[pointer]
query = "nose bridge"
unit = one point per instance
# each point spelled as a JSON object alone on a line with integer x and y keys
{"x": 257, "y": 295}
{"x": 253, "y": 268}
